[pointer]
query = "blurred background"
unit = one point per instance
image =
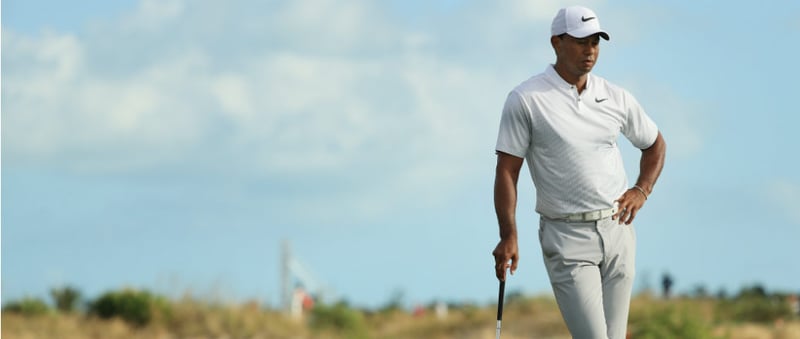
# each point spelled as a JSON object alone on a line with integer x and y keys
{"x": 239, "y": 149}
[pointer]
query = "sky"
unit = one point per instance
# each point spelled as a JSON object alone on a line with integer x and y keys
{"x": 175, "y": 145}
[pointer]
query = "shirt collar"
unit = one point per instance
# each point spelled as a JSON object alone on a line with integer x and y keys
{"x": 550, "y": 70}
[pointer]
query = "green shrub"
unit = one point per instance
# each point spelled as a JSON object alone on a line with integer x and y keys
{"x": 669, "y": 321}
{"x": 65, "y": 298}
{"x": 27, "y": 306}
{"x": 395, "y": 303}
{"x": 754, "y": 309}
{"x": 339, "y": 319}
{"x": 137, "y": 308}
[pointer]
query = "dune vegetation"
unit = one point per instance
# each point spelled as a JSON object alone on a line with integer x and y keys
{"x": 752, "y": 313}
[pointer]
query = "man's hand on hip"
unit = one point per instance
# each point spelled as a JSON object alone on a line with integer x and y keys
{"x": 628, "y": 205}
{"x": 506, "y": 250}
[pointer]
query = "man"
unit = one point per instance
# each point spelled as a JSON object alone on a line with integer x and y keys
{"x": 565, "y": 122}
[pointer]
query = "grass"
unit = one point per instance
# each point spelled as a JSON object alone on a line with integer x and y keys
{"x": 524, "y": 317}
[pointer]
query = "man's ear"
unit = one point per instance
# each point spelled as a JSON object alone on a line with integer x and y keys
{"x": 554, "y": 41}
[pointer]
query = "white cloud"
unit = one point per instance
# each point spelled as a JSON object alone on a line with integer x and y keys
{"x": 235, "y": 96}
{"x": 37, "y": 79}
{"x": 340, "y": 23}
{"x": 283, "y": 89}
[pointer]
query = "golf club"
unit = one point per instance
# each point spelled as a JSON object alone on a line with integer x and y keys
{"x": 500, "y": 307}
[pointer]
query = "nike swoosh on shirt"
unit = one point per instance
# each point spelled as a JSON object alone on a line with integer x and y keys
{"x": 587, "y": 19}
{"x": 600, "y": 100}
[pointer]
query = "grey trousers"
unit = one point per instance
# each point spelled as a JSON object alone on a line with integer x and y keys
{"x": 591, "y": 269}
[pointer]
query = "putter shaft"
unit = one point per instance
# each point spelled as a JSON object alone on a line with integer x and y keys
{"x": 500, "y": 307}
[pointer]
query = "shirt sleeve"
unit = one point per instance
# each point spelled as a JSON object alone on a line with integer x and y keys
{"x": 640, "y": 130}
{"x": 514, "y": 136}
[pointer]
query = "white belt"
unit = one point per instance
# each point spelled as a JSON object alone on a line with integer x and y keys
{"x": 591, "y": 216}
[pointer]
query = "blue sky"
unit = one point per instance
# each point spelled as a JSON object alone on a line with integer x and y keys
{"x": 173, "y": 145}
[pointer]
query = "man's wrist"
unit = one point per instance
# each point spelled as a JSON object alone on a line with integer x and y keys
{"x": 646, "y": 187}
{"x": 640, "y": 190}
{"x": 508, "y": 234}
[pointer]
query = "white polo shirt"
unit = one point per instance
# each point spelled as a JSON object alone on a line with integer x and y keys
{"x": 570, "y": 141}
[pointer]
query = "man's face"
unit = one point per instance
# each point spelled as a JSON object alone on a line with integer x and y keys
{"x": 577, "y": 55}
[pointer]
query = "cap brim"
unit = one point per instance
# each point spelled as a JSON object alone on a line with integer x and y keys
{"x": 582, "y": 33}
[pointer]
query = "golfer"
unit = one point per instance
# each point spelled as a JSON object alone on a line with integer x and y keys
{"x": 566, "y": 122}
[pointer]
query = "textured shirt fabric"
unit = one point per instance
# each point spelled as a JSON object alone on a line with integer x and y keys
{"x": 569, "y": 140}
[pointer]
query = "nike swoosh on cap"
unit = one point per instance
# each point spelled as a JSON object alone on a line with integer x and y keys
{"x": 587, "y": 19}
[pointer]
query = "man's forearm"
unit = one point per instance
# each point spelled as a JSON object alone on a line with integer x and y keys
{"x": 505, "y": 205}
{"x": 505, "y": 194}
{"x": 651, "y": 164}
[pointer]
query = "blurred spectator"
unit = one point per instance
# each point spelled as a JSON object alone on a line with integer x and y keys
{"x": 666, "y": 283}
{"x": 794, "y": 304}
{"x": 301, "y": 302}
{"x": 441, "y": 310}
{"x": 419, "y": 311}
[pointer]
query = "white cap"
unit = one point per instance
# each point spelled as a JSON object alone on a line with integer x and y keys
{"x": 578, "y": 22}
